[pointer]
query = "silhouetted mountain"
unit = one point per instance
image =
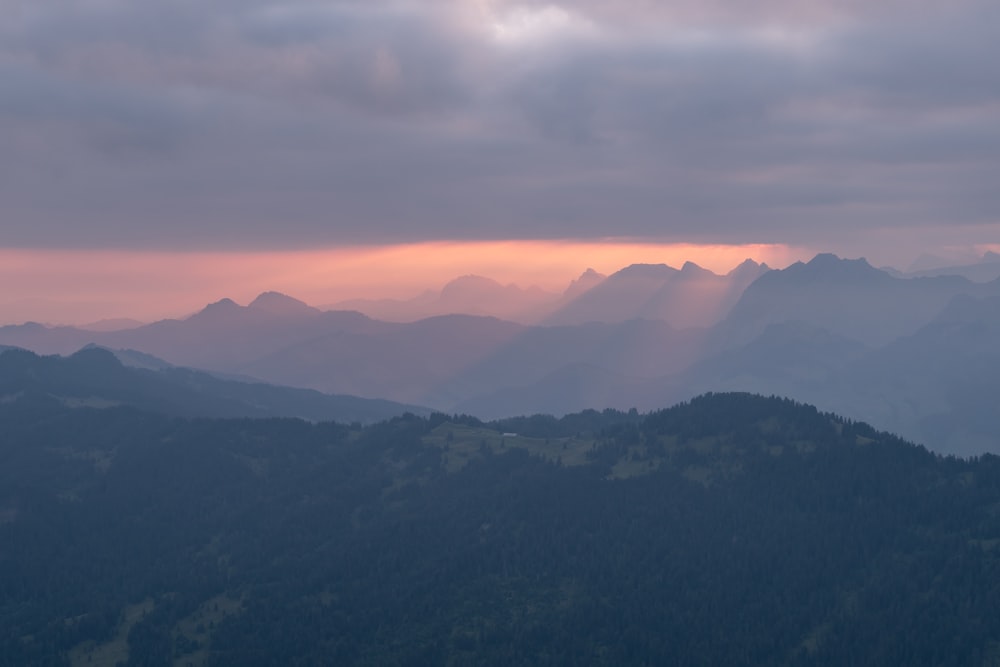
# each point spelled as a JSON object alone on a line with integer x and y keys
{"x": 95, "y": 377}
{"x": 849, "y": 298}
{"x": 276, "y": 303}
{"x": 587, "y": 281}
{"x": 689, "y": 297}
{"x": 224, "y": 336}
{"x": 621, "y": 296}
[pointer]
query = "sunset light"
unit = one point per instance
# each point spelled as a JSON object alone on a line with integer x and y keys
{"x": 83, "y": 286}
{"x": 499, "y": 332}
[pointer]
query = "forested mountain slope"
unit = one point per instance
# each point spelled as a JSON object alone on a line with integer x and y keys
{"x": 732, "y": 529}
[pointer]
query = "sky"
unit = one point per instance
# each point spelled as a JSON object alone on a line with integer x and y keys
{"x": 244, "y": 132}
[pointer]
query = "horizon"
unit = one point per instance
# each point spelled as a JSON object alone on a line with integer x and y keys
{"x": 146, "y": 287}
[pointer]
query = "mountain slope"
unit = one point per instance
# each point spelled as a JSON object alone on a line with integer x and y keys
{"x": 939, "y": 385}
{"x": 95, "y": 377}
{"x": 686, "y": 297}
{"x": 849, "y": 298}
{"x": 732, "y": 529}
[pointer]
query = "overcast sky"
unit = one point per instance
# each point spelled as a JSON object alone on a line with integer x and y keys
{"x": 267, "y": 124}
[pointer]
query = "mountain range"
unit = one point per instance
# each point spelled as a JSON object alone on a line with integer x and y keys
{"x": 911, "y": 354}
{"x": 97, "y": 377}
{"x": 685, "y": 297}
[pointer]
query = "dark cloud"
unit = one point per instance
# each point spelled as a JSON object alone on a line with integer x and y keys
{"x": 258, "y": 123}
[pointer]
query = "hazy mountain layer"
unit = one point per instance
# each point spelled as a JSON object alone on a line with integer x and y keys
{"x": 849, "y": 298}
{"x": 688, "y": 297}
{"x": 468, "y": 295}
{"x": 832, "y": 331}
{"x": 95, "y": 377}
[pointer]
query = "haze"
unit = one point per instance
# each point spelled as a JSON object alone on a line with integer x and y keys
{"x": 83, "y": 286}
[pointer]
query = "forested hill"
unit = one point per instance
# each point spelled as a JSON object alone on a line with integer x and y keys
{"x": 733, "y": 529}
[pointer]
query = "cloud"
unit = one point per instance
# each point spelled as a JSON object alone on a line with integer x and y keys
{"x": 258, "y": 123}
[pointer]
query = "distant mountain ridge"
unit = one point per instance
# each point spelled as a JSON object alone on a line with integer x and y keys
{"x": 814, "y": 331}
{"x": 690, "y": 296}
{"x": 95, "y": 377}
{"x": 686, "y": 297}
{"x": 848, "y": 297}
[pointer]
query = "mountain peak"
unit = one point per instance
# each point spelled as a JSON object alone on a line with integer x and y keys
{"x": 588, "y": 279}
{"x": 692, "y": 270}
{"x": 219, "y": 309}
{"x": 470, "y": 285}
{"x": 826, "y": 259}
{"x": 93, "y": 357}
{"x": 747, "y": 266}
{"x": 826, "y": 266}
{"x": 277, "y": 303}
{"x": 647, "y": 271}
{"x": 222, "y": 305}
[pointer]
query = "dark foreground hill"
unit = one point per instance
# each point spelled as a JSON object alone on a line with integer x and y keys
{"x": 733, "y": 529}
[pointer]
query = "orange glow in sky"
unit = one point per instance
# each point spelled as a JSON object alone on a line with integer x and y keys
{"x": 80, "y": 286}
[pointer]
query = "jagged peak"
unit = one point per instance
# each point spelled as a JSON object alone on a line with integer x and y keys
{"x": 825, "y": 259}
{"x": 690, "y": 269}
{"x": 749, "y": 267}
{"x": 587, "y": 280}
{"x": 828, "y": 265}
